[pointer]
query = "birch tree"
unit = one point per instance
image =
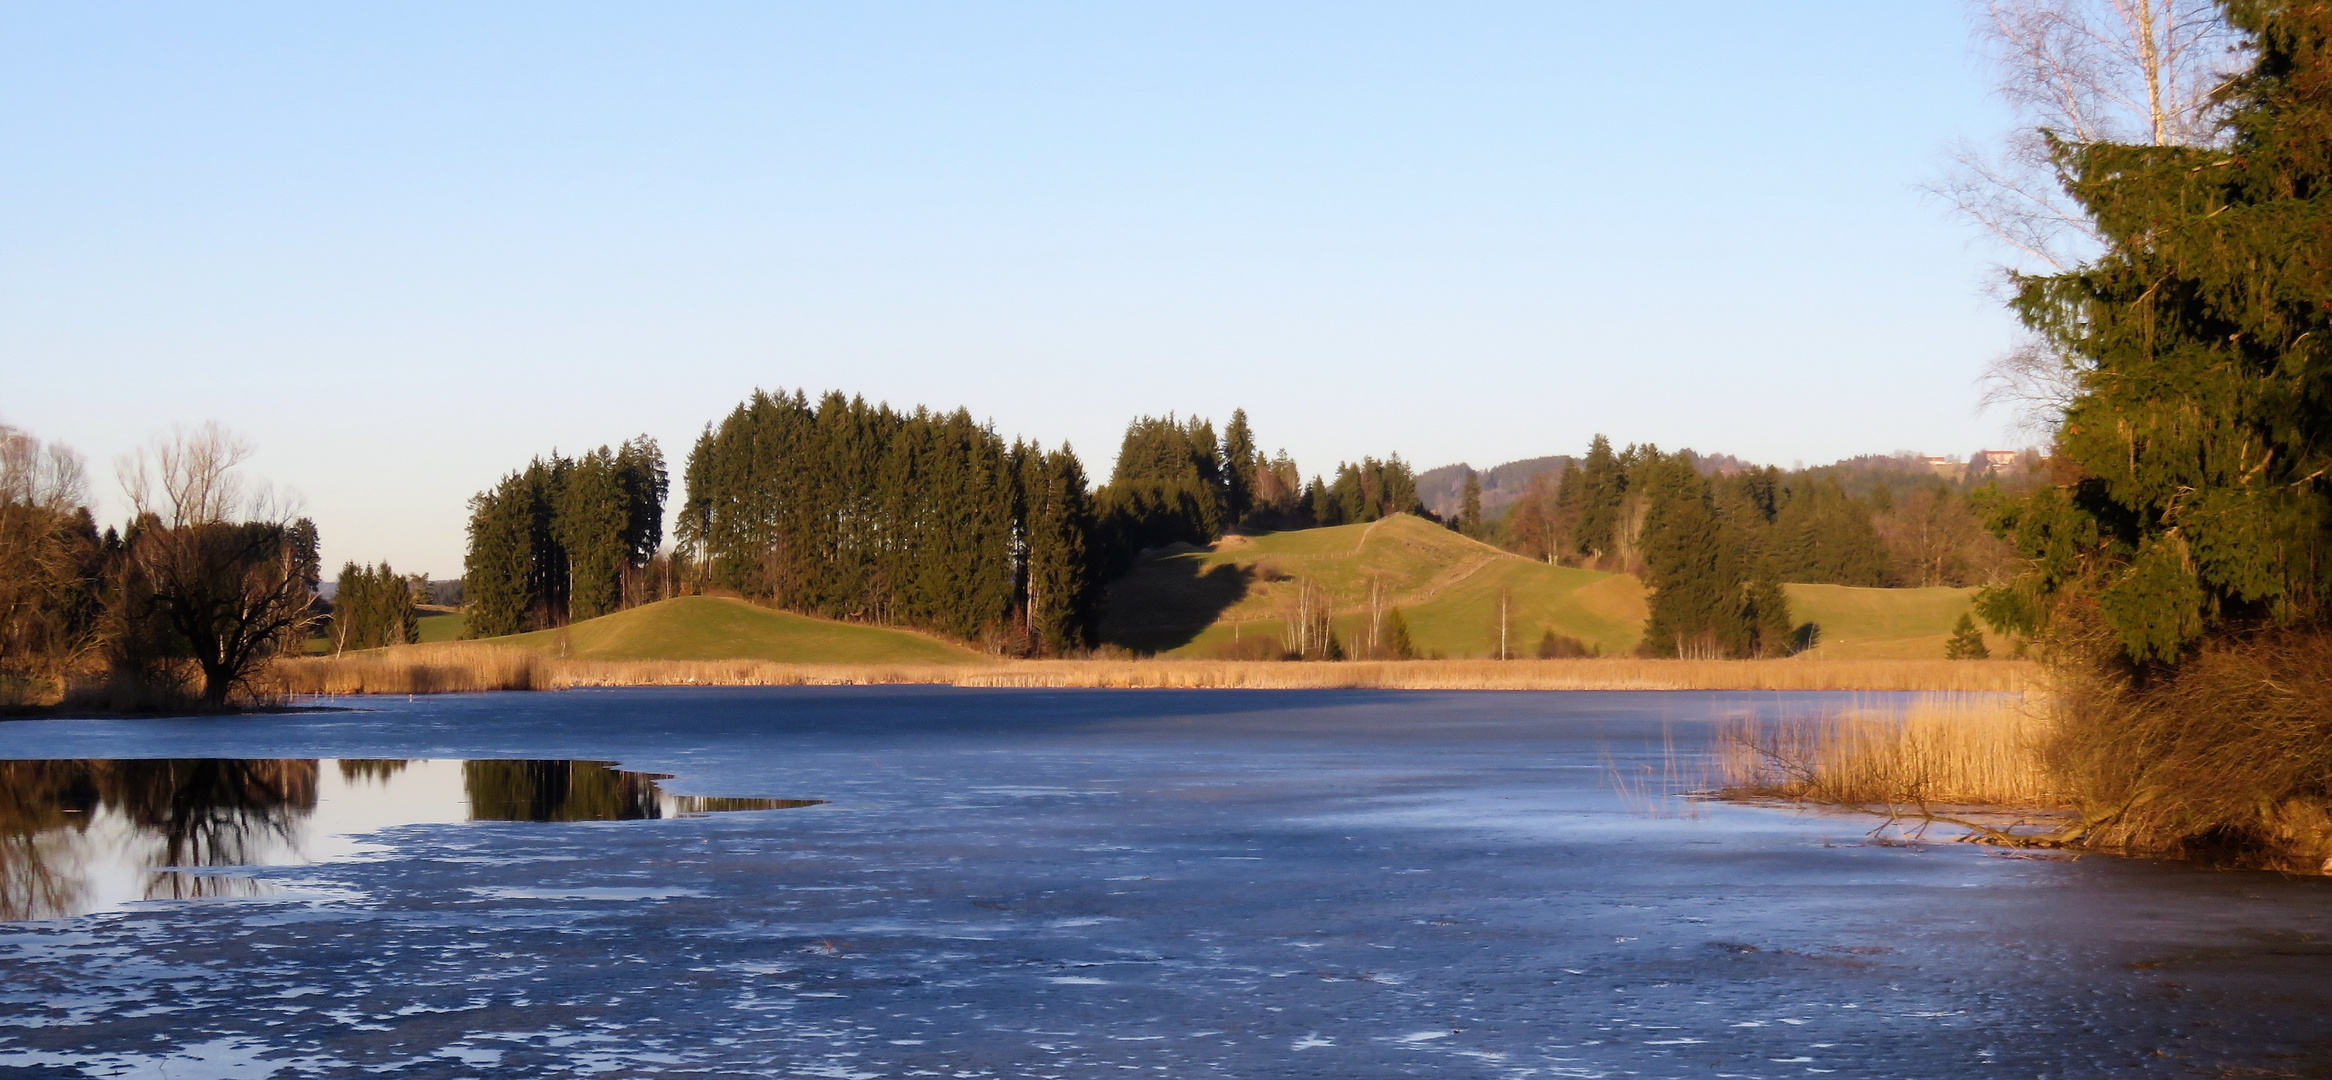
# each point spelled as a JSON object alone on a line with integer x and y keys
{"x": 2076, "y": 73}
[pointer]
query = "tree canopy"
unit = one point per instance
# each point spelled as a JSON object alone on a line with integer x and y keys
{"x": 2193, "y": 496}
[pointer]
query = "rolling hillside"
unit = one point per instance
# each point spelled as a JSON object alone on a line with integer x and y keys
{"x": 716, "y": 628}
{"x": 1186, "y": 601}
{"x": 1883, "y": 624}
{"x": 1192, "y": 602}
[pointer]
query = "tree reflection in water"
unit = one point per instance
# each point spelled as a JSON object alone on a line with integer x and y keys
{"x": 44, "y": 808}
{"x": 168, "y": 824}
{"x": 558, "y": 791}
{"x": 201, "y": 812}
{"x": 377, "y": 770}
{"x": 588, "y": 791}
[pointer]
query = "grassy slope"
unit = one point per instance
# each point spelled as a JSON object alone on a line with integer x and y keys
{"x": 441, "y": 627}
{"x": 1883, "y": 624}
{"x": 1193, "y": 602}
{"x": 715, "y": 628}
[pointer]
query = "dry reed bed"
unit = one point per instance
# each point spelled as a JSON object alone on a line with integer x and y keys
{"x": 461, "y": 667}
{"x": 1939, "y": 751}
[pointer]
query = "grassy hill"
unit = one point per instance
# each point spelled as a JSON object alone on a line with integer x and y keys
{"x": 1184, "y": 601}
{"x": 1883, "y": 624}
{"x": 441, "y": 627}
{"x": 717, "y": 628}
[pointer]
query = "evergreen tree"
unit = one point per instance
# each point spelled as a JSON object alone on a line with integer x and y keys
{"x": 2198, "y": 449}
{"x": 1397, "y": 642}
{"x": 1823, "y": 537}
{"x": 1368, "y": 491}
{"x": 1697, "y": 602}
{"x": 1602, "y": 488}
{"x": 498, "y": 573}
{"x": 373, "y": 607}
{"x": 1057, "y": 520}
{"x": 1241, "y": 462}
{"x": 1470, "y": 506}
{"x": 559, "y": 539}
{"x": 1967, "y": 642}
{"x": 1168, "y": 487}
{"x": 588, "y": 524}
{"x": 639, "y": 469}
{"x": 920, "y": 519}
{"x": 1773, "y": 631}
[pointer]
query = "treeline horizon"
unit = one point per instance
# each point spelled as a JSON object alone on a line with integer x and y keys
{"x": 924, "y": 520}
{"x": 931, "y": 521}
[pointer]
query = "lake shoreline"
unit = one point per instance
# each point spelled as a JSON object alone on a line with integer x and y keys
{"x": 469, "y": 667}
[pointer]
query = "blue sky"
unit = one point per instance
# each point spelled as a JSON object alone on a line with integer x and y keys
{"x": 404, "y": 247}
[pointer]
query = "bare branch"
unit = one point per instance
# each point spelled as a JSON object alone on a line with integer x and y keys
{"x": 188, "y": 477}
{"x": 2035, "y": 383}
{"x": 46, "y": 475}
{"x": 2078, "y": 72}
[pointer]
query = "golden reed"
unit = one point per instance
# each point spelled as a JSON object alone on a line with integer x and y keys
{"x": 474, "y": 666}
{"x": 1939, "y": 751}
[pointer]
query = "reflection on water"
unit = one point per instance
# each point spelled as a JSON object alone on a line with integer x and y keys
{"x": 82, "y": 835}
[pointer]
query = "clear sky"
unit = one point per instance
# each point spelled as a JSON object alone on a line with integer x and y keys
{"x": 404, "y": 247}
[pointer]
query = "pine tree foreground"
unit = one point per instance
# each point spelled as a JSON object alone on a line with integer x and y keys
{"x": 2177, "y": 570}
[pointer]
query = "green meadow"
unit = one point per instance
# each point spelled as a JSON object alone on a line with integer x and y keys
{"x": 1184, "y": 601}
{"x": 721, "y": 628}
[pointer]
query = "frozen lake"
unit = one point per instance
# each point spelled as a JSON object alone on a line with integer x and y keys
{"x": 997, "y": 883}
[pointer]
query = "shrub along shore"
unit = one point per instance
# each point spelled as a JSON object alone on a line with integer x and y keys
{"x": 2028, "y": 771}
{"x": 477, "y": 666}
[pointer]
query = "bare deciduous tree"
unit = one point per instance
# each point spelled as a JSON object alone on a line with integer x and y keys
{"x": 49, "y": 564}
{"x": 216, "y": 570}
{"x": 46, "y": 475}
{"x": 2077, "y": 72}
{"x": 190, "y": 477}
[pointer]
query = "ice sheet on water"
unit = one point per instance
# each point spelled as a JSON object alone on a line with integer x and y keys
{"x": 1241, "y": 886}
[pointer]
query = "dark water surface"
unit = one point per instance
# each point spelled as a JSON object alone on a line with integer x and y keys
{"x": 1095, "y": 883}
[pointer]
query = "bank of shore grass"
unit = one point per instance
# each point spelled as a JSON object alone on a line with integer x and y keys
{"x": 2226, "y": 769}
{"x": 1938, "y": 754}
{"x": 477, "y": 666}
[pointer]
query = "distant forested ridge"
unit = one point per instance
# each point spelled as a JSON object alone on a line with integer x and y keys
{"x": 1714, "y": 538}
{"x": 1872, "y": 521}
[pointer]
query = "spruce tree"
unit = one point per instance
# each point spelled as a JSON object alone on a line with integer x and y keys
{"x": 1058, "y": 520}
{"x": 1774, "y": 632}
{"x": 498, "y": 572}
{"x": 1397, "y": 641}
{"x": 2200, "y": 443}
{"x": 1602, "y": 486}
{"x": 1241, "y": 461}
{"x": 1698, "y": 606}
{"x": 1470, "y": 506}
{"x": 1821, "y": 536}
{"x": 858, "y": 511}
{"x": 589, "y": 521}
{"x": 1967, "y": 642}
